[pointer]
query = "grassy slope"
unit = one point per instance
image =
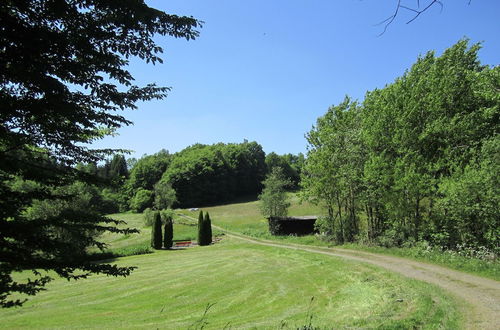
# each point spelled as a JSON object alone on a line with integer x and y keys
{"x": 128, "y": 244}
{"x": 251, "y": 286}
{"x": 245, "y": 218}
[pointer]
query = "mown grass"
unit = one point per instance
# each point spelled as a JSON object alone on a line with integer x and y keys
{"x": 245, "y": 218}
{"x": 139, "y": 243}
{"x": 247, "y": 286}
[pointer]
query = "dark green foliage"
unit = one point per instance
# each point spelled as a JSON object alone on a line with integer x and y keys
{"x": 204, "y": 229}
{"x": 198, "y": 175}
{"x": 202, "y": 174}
{"x": 143, "y": 187}
{"x": 168, "y": 233}
{"x": 118, "y": 168}
{"x": 291, "y": 166}
{"x": 113, "y": 200}
{"x": 64, "y": 75}
{"x": 334, "y": 168}
{"x": 156, "y": 236}
{"x": 468, "y": 211}
{"x": 142, "y": 199}
{"x": 147, "y": 171}
{"x": 164, "y": 195}
{"x": 208, "y": 228}
{"x": 148, "y": 217}
{"x": 201, "y": 233}
{"x": 419, "y": 157}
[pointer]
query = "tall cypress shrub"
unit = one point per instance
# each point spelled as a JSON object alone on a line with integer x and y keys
{"x": 200, "y": 229}
{"x": 156, "y": 237}
{"x": 168, "y": 233}
{"x": 208, "y": 228}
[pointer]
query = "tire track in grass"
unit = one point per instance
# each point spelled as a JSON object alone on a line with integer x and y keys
{"x": 481, "y": 295}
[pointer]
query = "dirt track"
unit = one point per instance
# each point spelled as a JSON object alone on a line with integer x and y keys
{"x": 481, "y": 295}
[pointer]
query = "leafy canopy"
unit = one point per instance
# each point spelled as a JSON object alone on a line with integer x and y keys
{"x": 273, "y": 199}
{"x": 63, "y": 77}
{"x": 418, "y": 157}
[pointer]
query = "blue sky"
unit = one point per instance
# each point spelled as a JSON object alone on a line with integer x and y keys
{"x": 266, "y": 70}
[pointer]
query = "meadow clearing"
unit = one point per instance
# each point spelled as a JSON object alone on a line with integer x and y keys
{"x": 235, "y": 284}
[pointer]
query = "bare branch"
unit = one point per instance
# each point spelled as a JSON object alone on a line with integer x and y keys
{"x": 433, "y": 2}
{"x": 391, "y": 18}
{"x": 388, "y": 21}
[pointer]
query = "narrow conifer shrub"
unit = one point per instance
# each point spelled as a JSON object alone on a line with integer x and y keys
{"x": 156, "y": 236}
{"x": 204, "y": 230}
{"x": 168, "y": 233}
{"x": 208, "y": 228}
{"x": 201, "y": 239}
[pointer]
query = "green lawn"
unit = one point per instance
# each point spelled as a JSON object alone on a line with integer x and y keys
{"x": 124, "y": 245}
{"x": 245, "y": 218}
{"x": 183, "y": 230}
{"x": 250, "y": 286}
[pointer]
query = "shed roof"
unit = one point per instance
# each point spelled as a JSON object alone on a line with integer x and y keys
{"x": 304, "y": 217}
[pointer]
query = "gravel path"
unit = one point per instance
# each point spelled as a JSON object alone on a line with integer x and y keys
{"x": 482, "y": 295}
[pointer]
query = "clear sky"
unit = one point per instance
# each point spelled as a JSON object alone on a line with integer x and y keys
{"x": 265, "y": 70}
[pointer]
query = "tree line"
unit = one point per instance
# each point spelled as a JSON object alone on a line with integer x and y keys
{"x": 416, "y": 160}
{"x": 198, "y": 175}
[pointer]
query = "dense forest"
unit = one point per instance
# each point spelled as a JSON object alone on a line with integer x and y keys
{"x": 196, "y": 176}
{"x": 416, "y": 160}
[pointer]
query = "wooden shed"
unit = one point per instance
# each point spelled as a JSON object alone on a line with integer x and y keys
{"x": 292, "y": 225}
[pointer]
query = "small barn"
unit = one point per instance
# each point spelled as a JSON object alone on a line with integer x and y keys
{"x": 292, "y": 225}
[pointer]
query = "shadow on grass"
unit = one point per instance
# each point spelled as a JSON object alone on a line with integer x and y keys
{"x": 111, "y": 255}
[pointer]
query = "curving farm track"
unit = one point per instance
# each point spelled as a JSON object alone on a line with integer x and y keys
{"x": 481, "y": 295}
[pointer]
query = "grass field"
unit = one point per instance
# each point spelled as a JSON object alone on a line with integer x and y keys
{"x": 245, "y": 218}
{"x": 234, "y": 284}
{"x": 247, "y": 286}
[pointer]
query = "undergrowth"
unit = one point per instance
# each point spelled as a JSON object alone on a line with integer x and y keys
{"x": 130, "y": 250}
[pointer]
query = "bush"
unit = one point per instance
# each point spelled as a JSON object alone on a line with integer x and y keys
{"x": 391, "y": 238}
{"x": 114, "y": 201}
{"x": 324, "y": 226}
{"x": 204, "y": 229}
{"x": 208, "y": 228}
{"x": 148, "y": 217}
{"x": 156, "y": 236}
{"x": 142, "y": 199}
{"x": 167, "y": 214}
{"x": 168, "y": 234}
{"x": 164, "y": 195}
{"x": 200, "y": 229}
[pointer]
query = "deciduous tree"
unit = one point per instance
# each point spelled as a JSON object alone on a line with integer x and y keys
{"x": 63, "y": 77}
{"x": 273, "y": 200}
